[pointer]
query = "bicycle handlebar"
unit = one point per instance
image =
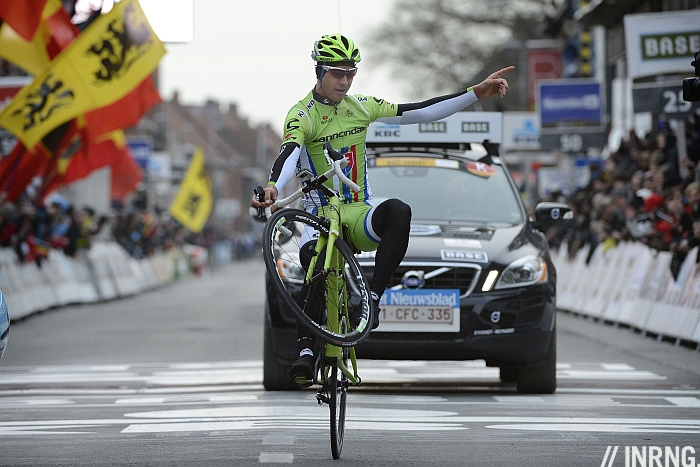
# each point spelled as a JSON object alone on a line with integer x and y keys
{"x": 336, "y": 169}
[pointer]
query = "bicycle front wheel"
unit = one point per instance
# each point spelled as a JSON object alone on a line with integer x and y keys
{"x": 342, "y": 288}
{"x": 338, "y": 393}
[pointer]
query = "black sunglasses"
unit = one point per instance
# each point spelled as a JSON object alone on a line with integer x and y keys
{"x": 338, "y": 73}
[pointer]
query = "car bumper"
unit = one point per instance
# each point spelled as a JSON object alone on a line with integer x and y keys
{"x": 496, "y": 350}
{"x": 521, "y": 335}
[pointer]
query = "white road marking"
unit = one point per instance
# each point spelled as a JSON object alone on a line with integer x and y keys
{"x": 276, "y": 457}
{"x": 278, "y": 439}
{"x": 616, "y": 367}
{"x": 141, "y": 400}
{"x": 250, "y": 372}
{"x": 638, "y": 427}
{"x": 684, "y": 401}
{"x": 360, "y": 419}
{"x": 10, "y": 402}
{"x": 514, "y": 399}
{"x": 228, "y": 396}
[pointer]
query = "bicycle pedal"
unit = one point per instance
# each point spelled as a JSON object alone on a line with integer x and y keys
{"x": 303, "y": 382}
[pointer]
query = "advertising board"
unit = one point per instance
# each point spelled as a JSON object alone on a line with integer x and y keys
{"x": 462, "y": 127}
{"x": 570, "y": 102}
{"x": 661, "y": 43}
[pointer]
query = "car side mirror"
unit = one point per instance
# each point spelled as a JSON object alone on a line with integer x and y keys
{"x": 550, "y": 214}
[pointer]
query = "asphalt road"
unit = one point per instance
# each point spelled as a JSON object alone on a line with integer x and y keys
{"x": 172, "y": 377}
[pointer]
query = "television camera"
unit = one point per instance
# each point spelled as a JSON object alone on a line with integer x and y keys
{"x": 691, "y": 86}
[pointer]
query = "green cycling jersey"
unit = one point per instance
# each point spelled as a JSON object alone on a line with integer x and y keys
{"x": 314, "y": 121}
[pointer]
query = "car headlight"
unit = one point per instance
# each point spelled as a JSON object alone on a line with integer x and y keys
{"x": 524, "y": 271}
{"x": 289, "y": 269}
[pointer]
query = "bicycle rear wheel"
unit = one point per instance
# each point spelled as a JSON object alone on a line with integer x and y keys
{"x": 338, "y": 393}
{"x": 343, "y": 287}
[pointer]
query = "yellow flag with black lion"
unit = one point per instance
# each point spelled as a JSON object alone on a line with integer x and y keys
{"x": 106, "y": 61}
{"x": 193, "y": 203}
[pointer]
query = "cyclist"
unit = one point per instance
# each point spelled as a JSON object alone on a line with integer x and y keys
{"x": 329, "y": 114}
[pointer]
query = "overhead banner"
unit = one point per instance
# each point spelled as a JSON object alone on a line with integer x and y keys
{"x": 106, "y": 61}
{"x": 570, "y": 102}
{"x": 661, "y": 43}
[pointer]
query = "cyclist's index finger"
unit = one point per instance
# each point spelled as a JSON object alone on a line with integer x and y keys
{"x": 503, "y": 71}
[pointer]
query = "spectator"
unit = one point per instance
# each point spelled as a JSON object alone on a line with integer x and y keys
{"x": 8, "y": 226}
{"x": 692, "y": 195}
{"x": 679, "y": 228}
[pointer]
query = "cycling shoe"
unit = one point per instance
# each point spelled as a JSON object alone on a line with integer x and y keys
{"x": 375, "y": 314}
{"x": 302, "y": 371}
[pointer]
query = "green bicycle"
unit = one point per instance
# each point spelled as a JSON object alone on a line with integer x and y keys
{"x": 331, "y": 280}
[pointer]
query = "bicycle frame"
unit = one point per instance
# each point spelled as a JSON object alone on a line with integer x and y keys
{"x": 333, "y": 214}
{"x": 331, "y": 264}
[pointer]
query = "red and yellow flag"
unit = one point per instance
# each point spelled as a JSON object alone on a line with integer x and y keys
{"x": 110, "y": 150}
{"x": 19, "y": 168}
{"x": 126, "y": 174}
{"x": 23, "y": 15}
{"x": 124, "y": 113}
{"x": 53, "y": 34}
{"x": 104, "y": 63}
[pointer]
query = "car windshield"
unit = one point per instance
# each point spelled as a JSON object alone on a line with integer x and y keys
{"x": 447, "y": 190}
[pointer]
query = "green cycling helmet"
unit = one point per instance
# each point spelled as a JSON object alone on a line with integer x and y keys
{"x": 335, "y": 48}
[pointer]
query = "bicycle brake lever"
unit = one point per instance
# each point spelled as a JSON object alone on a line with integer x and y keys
{"x": 260, "y": 196}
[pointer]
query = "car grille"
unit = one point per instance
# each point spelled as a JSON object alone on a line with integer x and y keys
{"x": 454, "y": 277}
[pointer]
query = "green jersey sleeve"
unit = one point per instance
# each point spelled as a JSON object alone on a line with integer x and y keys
{"x": 377, "y": 108}
{"x": 297, "y": 126}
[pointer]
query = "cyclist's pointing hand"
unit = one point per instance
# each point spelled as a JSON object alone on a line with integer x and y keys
{"x": 494, "y": 84}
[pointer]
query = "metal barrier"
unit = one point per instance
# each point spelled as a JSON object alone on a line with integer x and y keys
{"x": 632, "y": 285}
{"x": 104, "y": 272}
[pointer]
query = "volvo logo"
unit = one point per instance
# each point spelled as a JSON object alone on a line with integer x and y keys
{"x": 495, "y": 317}
{"x": 555, "y": 213}
{"x": 413, "y": 279}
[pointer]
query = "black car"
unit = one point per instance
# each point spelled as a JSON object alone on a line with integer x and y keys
{"x": 477, "y": 281}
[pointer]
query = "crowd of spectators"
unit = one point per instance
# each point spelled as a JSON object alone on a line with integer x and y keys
{"x": 643, "y": 192}
{"x": 32, "y": 228}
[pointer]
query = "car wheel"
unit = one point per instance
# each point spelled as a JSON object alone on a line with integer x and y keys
{"x": 508, "y": 374}
{"x": 275, "y": 377}
{"x": 542, "y": 378}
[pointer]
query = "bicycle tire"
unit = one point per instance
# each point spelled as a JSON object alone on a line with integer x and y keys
{"x": 338, "y": 393}
{"x": 288, "y": 277}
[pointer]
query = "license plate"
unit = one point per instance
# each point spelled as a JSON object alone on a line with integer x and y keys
{"x": 419, "y": 310}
